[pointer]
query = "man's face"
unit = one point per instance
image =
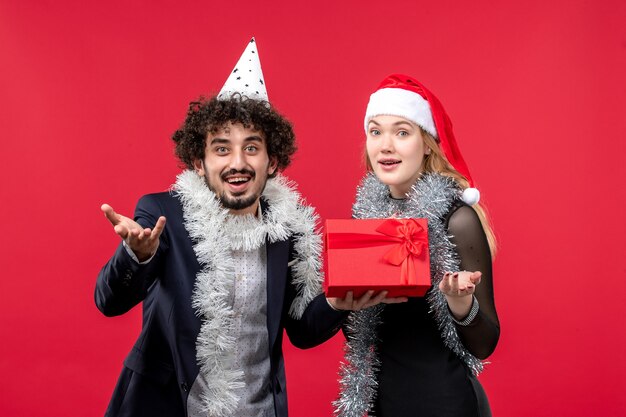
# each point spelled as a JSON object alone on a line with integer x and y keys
{"x": 236, "y": 166}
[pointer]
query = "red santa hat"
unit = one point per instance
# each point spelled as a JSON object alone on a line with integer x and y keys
{"x": 404, "y": 96}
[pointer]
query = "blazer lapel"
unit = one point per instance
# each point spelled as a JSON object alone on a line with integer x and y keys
{"x": 277, "y": 258}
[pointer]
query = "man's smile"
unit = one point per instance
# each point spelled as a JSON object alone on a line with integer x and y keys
{"x": 238, "y": 181}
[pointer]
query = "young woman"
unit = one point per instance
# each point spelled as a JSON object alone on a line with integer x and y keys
{"x": 421, "y": 358}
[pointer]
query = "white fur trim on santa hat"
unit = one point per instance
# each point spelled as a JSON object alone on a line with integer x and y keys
{"x": 403, "y": 103}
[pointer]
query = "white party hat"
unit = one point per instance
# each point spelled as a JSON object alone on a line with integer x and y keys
{"x": 246, "y": 78}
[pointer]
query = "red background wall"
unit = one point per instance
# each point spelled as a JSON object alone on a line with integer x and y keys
{"x": 91, "y": 92}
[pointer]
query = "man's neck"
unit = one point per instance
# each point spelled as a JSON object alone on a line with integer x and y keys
{"x": 254, "y": 209}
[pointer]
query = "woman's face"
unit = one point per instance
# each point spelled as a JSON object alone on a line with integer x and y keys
{"x": 396, "y": 150}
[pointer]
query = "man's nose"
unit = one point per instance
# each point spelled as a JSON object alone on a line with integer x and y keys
{"x": 238, "y": 160}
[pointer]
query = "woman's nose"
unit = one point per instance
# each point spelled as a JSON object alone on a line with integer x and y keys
{"x": 386, "y": 143}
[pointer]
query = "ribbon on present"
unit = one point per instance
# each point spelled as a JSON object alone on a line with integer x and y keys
{"x": 408, "y": 235}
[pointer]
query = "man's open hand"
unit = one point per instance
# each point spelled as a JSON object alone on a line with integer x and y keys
{"x": 143, "y": 242}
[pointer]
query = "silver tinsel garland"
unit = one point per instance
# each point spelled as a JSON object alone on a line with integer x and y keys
{"x": 215, "y": 234}
{"x": 431, "y": 198}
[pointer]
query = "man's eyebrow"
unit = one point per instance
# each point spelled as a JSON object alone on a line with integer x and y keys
{"x": 255, "y": 138}
{"x": 219, "y": 140}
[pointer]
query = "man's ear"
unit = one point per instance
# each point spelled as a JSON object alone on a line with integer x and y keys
{"x": 198, "y": 166}
{"x": 273, "y": 166}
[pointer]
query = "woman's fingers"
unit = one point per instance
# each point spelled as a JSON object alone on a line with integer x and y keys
{"x": 454, "y": 284}
{"x": 459, "y": 284}
{"x": 444, "y": 285}
{"x": 475, "y": 277}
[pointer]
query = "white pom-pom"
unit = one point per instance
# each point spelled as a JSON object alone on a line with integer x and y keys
{"x": 470, "y": 196}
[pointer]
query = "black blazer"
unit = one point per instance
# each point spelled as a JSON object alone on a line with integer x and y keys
{"x": 161, "y": 367}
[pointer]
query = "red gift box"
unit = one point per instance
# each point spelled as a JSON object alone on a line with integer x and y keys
{"x": 377, "y": 254}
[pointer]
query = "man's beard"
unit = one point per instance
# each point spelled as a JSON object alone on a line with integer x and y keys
{"x": 235, "y": 202}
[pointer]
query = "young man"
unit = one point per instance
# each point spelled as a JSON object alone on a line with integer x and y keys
{"x": 237, "y": 263}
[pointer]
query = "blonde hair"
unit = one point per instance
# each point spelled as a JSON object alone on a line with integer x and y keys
{"x": 437, "y": 162}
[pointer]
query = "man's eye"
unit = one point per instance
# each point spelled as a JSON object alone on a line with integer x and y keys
{"x": 251, "y": 148}
{"x": 221, "y": 149}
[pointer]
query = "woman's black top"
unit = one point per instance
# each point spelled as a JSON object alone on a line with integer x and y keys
{"x": 419, "y": 375}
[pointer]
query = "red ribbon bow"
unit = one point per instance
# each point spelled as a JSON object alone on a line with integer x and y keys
{"x": 411, "y": 240}
{"x": 409, "y": 236}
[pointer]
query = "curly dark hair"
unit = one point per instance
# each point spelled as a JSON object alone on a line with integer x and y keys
{"x": 210, "y": 115}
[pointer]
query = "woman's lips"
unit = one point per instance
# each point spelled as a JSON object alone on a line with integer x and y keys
{"x": 389, "y": 164}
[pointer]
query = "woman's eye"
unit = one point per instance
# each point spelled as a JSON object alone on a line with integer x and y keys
{"x": 374, "y": 132}
{"x": 403, "y": 133}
